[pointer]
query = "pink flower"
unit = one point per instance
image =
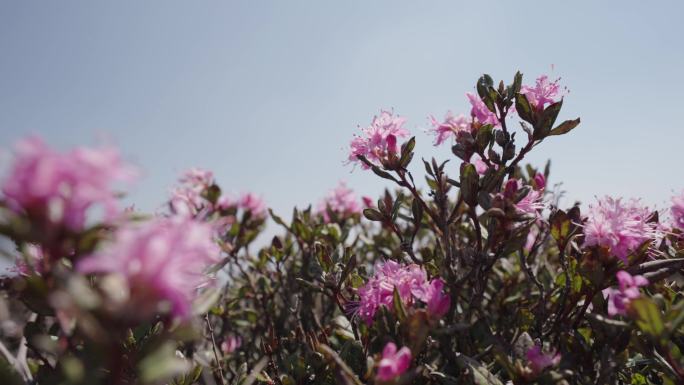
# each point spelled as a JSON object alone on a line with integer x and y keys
{"x": 162, "y": 261}
{"x": 379, "y": 139}
{"x": 543, "y": 92}
{"x": 539, "y": 181}
{"x": 531, "y": 203}
{"x": 341, "y": 200}
{"x": 480, "y": 111}
{"x": 451, "y": 126}
{"x": 231, "y": 344}
{"x": 411, "y": 284}
{"x": 254, "y": 204}
{"x": 539, "y": 361}
{"x": 393, "y": 363}
{"x": 480, "y": 165}
{"x": 678, "y": 211}
{"x": 62, "y": 187}
{"x": 619, "y": 226}
{"x": 187, "y": 198}
{"x": 438, "y": 303}
{"x": 619, "y": 299}
{"x": 367, "y": 201}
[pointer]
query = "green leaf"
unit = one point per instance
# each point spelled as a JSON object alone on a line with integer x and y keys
{"x": 469, "y": 181}
{"x": 382, "y": 174}
{"x": 352, "y": 354}
{"x": 373, "y": 215}
{"x": 162, "y": 364}
{"x": 480, "y": 375}
{"x": 565, "y": 127}
{"x": 517, "y": 83}
{"x": 417, "y": 210}
{"x": 399, "y": 308}
{"x": 560, "y": 227}
{"x": 523, "y": 108}
{"x": 648, "y": 316}
{"x": 484, "y": 136}
{"x": 206, "y": 300}
{"x": 548, "y": 118}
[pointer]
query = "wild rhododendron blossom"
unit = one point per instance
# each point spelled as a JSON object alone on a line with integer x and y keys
{"x": 538, "y": 361}
{"x": 619, "y": 299}
{"x": 531, "y": 203}
{"x": 187, "y": 198}
{"x": 162, "y": 261}
{"x": 480, "y": 111}
{"x": 678, "y": 211}
{"x": 451, "y": 126}
{"x": 544, "y": 92}
{"x": 379, "y": 139}
{"x": 62, "y": 187}
{"x": 393, "y": 362}
{"x": 252, "y": 203}
{"x": 619, "y": 226}
{"x": 480, "y": 165}
{"x": 342, "y": 200}
{"x": 411, "y": 283}
{"x": 437, "y": 302}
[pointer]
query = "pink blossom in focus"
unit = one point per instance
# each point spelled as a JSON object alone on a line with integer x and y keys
{"x": 544, "y": 92}
{"x": 538, "y": 361}
{"x": 411, "y": 283}
{"x": 161, "y": 261}
{"x": 341, "y": 200}
{"x": 531, "y": 203}
{"x": 62, "y": 187}
{"x": 480, "y": 165}
{"x": 480, "y": 111}
{"x": 619, "y": 226}
{"x": 231, "y": 344}
{"x": 451, "y": 126}
{"x": 618, "y": 299}
{"x": 393, "y": 362}
{"x": 678, "y": 211}
{"x": 379, "y": 139}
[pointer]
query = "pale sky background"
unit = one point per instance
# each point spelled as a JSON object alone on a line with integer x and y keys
{"x": 267, "y": 94}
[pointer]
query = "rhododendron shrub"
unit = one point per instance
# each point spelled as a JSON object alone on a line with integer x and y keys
{"x": 464, "y": 271}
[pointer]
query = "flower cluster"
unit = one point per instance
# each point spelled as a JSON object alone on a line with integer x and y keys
{"x": 393, "y": 362}
{"x": 480, "y": 112}
{"x": 619, "y": 226}
{"x": 532, "y": 202}
{"x": 452, "y": 125}
{"x": 60, "y": 188}
{"x": 341, "y": 200}
{"x": 619, "y": 299}
{"x": 411, "y": 283}
{"x": 187, "y": 198}
{"x": 163, "y": 262}
{"x": 542, "y": 93}
{"x": 379, "y": 139}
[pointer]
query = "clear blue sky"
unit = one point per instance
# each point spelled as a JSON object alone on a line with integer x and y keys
{"x": 267, "y": 94}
